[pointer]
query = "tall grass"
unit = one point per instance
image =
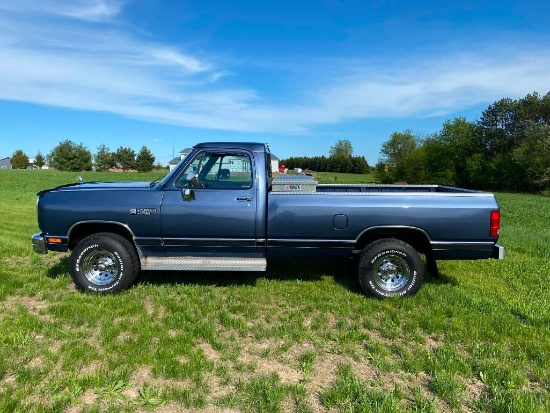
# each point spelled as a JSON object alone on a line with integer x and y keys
{"x": 300, "y": 337}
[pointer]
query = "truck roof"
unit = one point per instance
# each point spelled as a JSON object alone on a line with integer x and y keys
{"x": 251, "y": 146}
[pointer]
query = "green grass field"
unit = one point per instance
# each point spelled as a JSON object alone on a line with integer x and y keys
{"x": 338, "y": 178}
{"x": 300, "y": 337}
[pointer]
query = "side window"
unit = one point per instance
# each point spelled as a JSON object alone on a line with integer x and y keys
{"x": 218, "y": 171}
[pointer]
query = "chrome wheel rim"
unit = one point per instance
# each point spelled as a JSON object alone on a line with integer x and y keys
{"x": 100, "y": 267}
{"x": 391, "y": 273}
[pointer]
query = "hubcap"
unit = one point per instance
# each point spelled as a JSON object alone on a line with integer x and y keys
{"x": 100, "y": 267}
{"x": 391, "y": 273}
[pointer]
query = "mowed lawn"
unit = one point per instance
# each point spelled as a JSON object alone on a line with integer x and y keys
{"x": 300, "y": 337}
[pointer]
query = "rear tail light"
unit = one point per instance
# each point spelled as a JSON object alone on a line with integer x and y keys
{"x": 495, "y": 224}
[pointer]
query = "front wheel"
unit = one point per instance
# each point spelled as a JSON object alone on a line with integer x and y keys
{"x": 104, "y": 263}
{"x": 390, "y": 268}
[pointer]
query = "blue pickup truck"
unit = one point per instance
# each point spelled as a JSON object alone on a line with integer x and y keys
{"x": 220, "y": 209}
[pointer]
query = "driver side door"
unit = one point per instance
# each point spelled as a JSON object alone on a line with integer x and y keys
{"x": 219, "y": 215}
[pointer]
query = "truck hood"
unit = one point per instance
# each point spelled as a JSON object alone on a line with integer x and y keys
{"x": 102, "y": 186}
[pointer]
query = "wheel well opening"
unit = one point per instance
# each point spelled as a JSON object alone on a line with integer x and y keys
{"x": 414, "y": 237}
{"x": 84, "y": 230}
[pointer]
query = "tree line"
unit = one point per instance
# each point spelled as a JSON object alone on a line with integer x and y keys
{"x": 340, "y": 159}
{"x": 69, "y": 156}
{"x": 506, "y": 149}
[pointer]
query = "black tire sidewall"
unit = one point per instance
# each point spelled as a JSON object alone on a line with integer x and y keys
{"x": 125, "y": 261}
{"x": 377, "y": 250}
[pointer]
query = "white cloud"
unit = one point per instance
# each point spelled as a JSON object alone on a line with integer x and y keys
{"x": 172, "y": 57}
{"x": 75, "y": 63}
{"x": 434, "y": 86}
{"x": 215, "y": 76}
{"x": 440, "y": 85}
{"x": 91, "y": 10}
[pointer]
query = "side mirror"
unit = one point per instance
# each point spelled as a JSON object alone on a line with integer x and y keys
{"x": 188, "y": 194}
{"x": 188, "y": 191}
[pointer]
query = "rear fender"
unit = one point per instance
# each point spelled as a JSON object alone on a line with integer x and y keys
{"x": 416, "y": 237}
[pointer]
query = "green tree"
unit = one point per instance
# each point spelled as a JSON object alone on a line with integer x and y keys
{"x": 160, "y": 167}
{"x": 395, "y": 151}
{"x": 19, "y": 160}
{"x": 478, "y": 171}
{"x": 430, "y": 163}
{"x": 508, "y": 148}
{"x": 532, "y": 156}
{"x": 68, "y": 156}
{"x": 341, "y": 148}
{"x": 39, "y": 160}
{"x": 360, "y": 165}
{"x": 498, "y": 126}
{"x": 382, "y": 172}
{"x": 103, "y": 159}
{"x": 341, "y": 163}
{"x": 507, "y": 129}
{"x": 126, "y": 158}
{"x": 145, "y": 160}
{"x": 531, "y": 109}
{"x": 414, "y": 168}
{"x": 463, "y": 141}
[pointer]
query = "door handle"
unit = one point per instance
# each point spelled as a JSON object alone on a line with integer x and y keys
{"x": 243, "y": 199}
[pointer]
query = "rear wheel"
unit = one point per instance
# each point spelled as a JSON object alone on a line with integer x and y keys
{"x": 104, "y": 263}
{"x": 390, "y": 268}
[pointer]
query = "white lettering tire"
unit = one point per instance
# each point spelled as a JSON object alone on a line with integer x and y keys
{"x": 104, "y": 263}
{"x": 390, "y": 268}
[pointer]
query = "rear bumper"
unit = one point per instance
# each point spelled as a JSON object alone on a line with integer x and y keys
{"x": 498, "y": 252}
{"x": 39, "y": 244}
{"x": 445, "y": 250}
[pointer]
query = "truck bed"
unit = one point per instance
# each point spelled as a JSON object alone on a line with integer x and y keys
{"x": 374, "y": 188}
{"x": 343, "y": 213}
{"x": 305, "y": 184}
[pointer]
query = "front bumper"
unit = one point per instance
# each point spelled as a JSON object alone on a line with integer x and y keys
{"x": 39, "y": 244}
{"x": 498, "y": 252}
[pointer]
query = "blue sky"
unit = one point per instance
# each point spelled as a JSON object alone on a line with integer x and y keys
{"x": 298, "y": 74}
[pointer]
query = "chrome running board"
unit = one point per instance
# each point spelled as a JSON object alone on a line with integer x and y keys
{"x": 204, "y": 263}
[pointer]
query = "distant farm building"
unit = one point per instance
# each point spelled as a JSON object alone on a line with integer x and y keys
{"x": 183, "y": 153}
